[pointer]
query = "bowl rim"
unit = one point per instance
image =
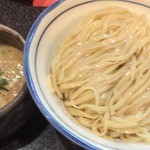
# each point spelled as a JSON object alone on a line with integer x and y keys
{"x": 71, "y": 136}
{"x": 8, "y": 107}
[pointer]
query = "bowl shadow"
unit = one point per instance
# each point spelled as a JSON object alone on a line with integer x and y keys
{"x": 34, "y": 126}
{"x": 68, "y": 144}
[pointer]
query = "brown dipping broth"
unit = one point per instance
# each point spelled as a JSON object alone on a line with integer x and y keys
{"x": 11, "y": 65}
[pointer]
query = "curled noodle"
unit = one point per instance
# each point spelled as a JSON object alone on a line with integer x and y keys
{"x": 102, "y": 72}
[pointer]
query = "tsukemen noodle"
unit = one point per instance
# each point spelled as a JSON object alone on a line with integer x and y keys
{"x": 102, "y": 74}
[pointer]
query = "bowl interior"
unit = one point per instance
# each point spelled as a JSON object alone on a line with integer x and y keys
{"x": 10, "y": 39}
{"x": 42, "y": 43}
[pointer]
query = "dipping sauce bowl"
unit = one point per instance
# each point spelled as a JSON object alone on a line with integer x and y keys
{"x": 15, "y": 106}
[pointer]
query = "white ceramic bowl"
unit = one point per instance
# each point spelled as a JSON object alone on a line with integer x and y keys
{"x": 50, "y": 28}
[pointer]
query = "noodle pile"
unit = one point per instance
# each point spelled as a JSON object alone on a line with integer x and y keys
{"x": 102, "y": 73}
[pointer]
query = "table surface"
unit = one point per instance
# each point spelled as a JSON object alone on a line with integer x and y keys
{"x": 36, "y": 133}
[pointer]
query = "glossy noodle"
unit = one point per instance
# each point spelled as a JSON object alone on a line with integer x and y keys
{"x": 102, "y": 73}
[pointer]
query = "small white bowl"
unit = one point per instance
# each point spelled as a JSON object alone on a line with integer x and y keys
{"x": 50, "y": 28}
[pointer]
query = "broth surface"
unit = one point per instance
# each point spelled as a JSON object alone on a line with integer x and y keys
{"x": 11, "y": 65}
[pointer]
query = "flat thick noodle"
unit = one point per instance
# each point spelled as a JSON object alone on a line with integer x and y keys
{"x": 102, "y": 73}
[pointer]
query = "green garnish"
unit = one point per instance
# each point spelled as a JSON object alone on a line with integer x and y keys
{"x": 3, "y": 83}
{"x": 1, "y": 72}
{"x": 4, "y": 52}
